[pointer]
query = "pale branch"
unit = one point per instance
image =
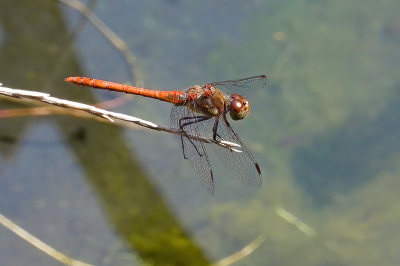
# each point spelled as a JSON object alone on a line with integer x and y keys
{"x": 46, "y": 98}
{"x": 111, "y": 36}
{"x": 295, "y": 221}
{"x": 39, "y": 244}
{"x": 246, "y": 251}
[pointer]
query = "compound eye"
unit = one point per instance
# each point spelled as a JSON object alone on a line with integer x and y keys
{"x": 239, "y": 108}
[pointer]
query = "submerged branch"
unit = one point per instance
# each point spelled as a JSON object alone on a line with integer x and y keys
{"x": 295, "y": 221}
{"x": 39, "y": 244}
{"x": 242, "y": 253}
{"x": 111, "y": 36}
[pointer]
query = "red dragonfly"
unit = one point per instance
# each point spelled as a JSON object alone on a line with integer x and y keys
{"x": 201, "y": 111}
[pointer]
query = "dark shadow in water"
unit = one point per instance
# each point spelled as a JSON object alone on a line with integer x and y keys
{"x": 338, "y": 162}
{"x": 36, "y": 54}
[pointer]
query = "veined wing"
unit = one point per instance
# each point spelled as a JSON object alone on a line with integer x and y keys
{"x": 244, "y": 87}
{"x": 242, "y": 163}
{"x": 193, "y": 150}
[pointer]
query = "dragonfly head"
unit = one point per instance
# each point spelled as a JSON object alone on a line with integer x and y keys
{"x": 238, "y": 107}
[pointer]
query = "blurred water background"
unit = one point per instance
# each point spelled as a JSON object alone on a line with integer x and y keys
{"x": 325, "y": 132}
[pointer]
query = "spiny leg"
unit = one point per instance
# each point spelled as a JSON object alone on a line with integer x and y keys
{"x": 215, "y": 128}
{"x": 195, "y": 119}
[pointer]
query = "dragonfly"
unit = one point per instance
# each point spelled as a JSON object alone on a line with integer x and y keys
{"x": 202, "y": 111}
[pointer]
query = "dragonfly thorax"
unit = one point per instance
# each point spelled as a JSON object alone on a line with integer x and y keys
{"x": 206, "y": 100}
{"x": 238, "y": 107}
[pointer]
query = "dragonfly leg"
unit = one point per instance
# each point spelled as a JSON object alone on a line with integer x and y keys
{"x": 229, "y": 126}
{"x": 195, "y": 119}
{"x": 215, "y": 128}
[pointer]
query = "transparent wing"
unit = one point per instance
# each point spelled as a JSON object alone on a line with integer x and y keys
{"x": 193, "y": 150}
{"x": 242, "y": 163}
{"x": 244, "y": 87}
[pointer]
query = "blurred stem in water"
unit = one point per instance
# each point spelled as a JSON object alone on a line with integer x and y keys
{"x": 39, "y": 244}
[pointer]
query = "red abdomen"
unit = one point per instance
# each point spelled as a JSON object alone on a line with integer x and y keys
{"x": 175, "y": 97}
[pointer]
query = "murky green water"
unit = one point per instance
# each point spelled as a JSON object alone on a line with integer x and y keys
{"x": 325, "y": 132}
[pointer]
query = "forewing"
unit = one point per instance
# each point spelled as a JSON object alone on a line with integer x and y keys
{"x": 244, "y": 87}
{"x": 193, "y": 150}
{"x": 242, "y": 163}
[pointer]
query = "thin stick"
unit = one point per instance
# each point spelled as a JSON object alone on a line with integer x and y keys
{"x": 39, "y": 244}
{"x": 242, "y": 253}
{"x": 46, "y": 98}
{"x": 111, "y": 36}
{"x": 295, "y": 221}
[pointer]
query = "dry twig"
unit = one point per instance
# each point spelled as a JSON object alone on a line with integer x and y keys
{"x": 46, "y": 98}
